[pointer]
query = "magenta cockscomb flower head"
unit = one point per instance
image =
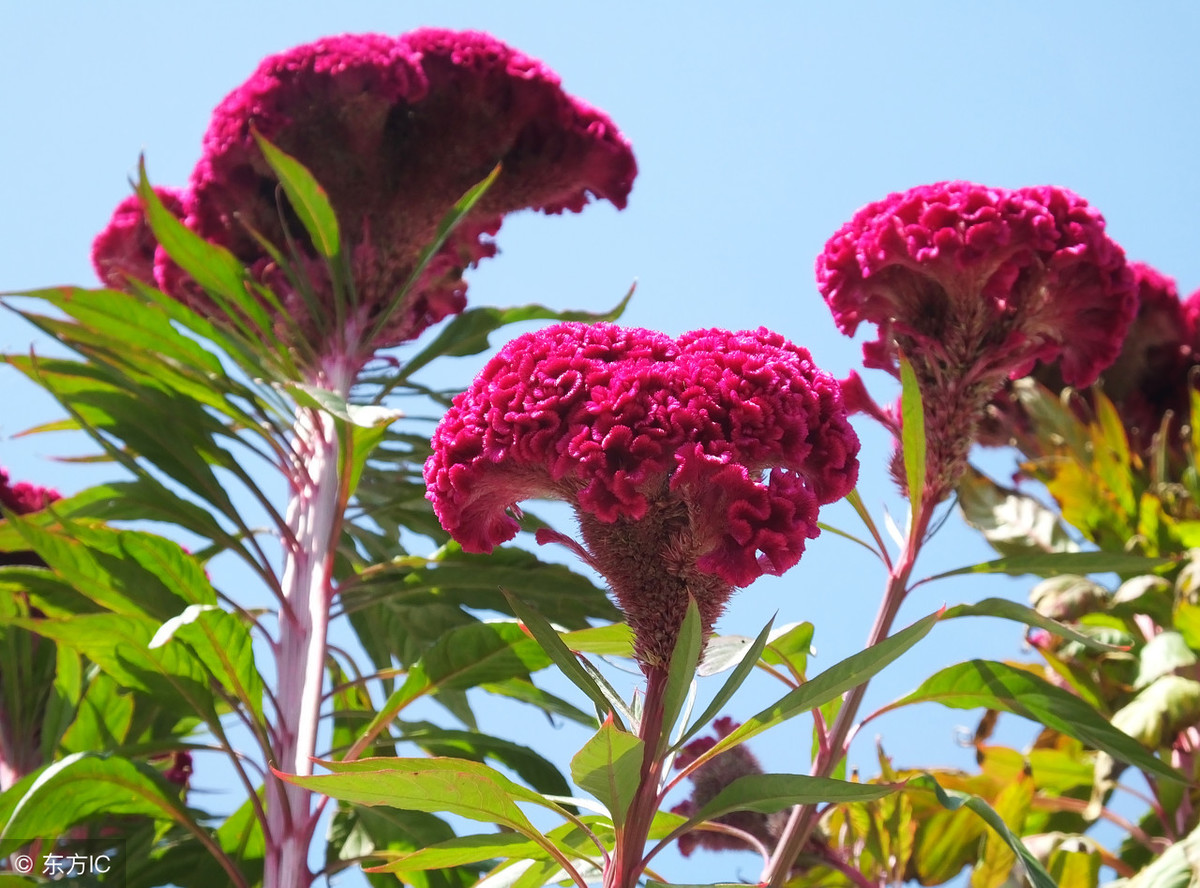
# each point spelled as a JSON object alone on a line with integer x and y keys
{"x": 125, "y": 250}
{"x": 976, "y": 285}
{"x": 23, "y": 497}
{"x": 707, "y": 782}
{"x": 694, "y": 465}
{"x": 1148, "y": 382}
{"x": 397, "y": 130}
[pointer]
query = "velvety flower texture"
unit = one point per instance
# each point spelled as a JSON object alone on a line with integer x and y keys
{"x": 707, "y": 782}
{"x": 397, "y": 130}
{"x": 976, "y": 285}
{"x": 1148, "y": 380}
{"x": 125, "y": 250}
{"x": 694, "y": 465}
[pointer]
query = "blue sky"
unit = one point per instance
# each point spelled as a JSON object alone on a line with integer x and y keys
{"x": 758, "y": 132}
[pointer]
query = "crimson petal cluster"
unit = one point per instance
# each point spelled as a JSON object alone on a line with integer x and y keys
{"x": 976, "y": 285}
{"x": 396, "y": 130}
{"x": 694, "y": 465}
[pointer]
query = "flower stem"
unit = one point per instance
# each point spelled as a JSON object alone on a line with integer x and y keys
{"x": 313, "y": 524}
{"x": 627, "y": 860}
{"x": 803, "y": 818}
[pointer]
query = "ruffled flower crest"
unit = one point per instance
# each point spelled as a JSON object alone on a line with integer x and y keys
{"x": 694, "y": 465}
{"x": 976, "y": 285}
{"x": 396, "y": 130}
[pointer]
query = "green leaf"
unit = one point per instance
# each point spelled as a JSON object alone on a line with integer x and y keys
{"x": 613, "y": 640}
{"x": 521, "y": 760}
{"x": 1162, "y": 655}
{"x": 952, "y": 800}
{"x": 358, "y": 832}
{"x": 912, "y": 432}
{"x": 120, "y": 646}
{"x": 557, "y": 650}
{"x": 463, "y": 658}
{"x": 307, "y": 198}
{"x": 452, "y": 786}
{"x": 212, "y": 267}
{"x": 681, "y": 672}
{"x": 467, "y": 333}
{"x": 1014, "y": 523}
{"x": 1052, "y": 564}
{"x": 609, "y": 767}
{"x": 222, "y": 643}
{"x": 80, "y": 787}
{"x": 749, "y": 658}
{"x": 790, "y": 648}
{"x": 990, "y": 685}
{"x": 768, "y": 793}
{"x": 1019, "y": 613}
{"x": 461, "y": 850}
{"x": 831, "y": 683}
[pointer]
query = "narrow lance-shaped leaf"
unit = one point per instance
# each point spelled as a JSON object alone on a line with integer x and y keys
{"x": 831, "y": 683}
{"x": 1052, "y": 564}
{"x": 452, "y": 786}
{"x": 952, "y": 800}
{"x": 990, "y": 685}
{"x": 468, "y": 333}
{"x": 1019, "y": 613}
{"x": 912, "y": 432}
{"x": 557, "y": 650}
{"x": 307, "y": 198}
{"x": 681, "y": 671}
{"x": 735, "y": 680}
{"x": 768, "y": 793}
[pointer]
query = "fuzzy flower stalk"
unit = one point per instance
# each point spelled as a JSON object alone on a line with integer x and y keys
{"x": 694, "y": 465}
{"x": 976, "y": 285}
{"x": 396, "y": 130}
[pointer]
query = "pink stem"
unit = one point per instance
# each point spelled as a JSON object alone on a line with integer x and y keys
{"x": 627, "y": 861}
{"x": 314, "y": 520}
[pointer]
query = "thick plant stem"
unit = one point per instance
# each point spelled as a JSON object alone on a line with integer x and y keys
{"x": 314, "y": 522}
{"x": 803, "y": 818}
{"x": 627, "y": 861}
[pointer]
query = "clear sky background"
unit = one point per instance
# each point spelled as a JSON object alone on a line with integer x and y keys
{"x": 758, "y": 133}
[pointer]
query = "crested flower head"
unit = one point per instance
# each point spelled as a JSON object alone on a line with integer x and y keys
{"x": 125, "y": 250}
{"x": 396, "y": 130}
{"x": 23, "y": 498}
{"x": 976, "y": 285}
{"x": 1147, "y": 383}
{"x": 694, "y": 465}
{"x": 981, "y": 278}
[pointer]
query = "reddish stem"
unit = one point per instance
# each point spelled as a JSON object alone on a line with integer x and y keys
{"x": 627, "y": 860}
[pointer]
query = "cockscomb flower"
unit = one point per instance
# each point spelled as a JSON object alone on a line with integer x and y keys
{"x": 707, "y": 782}
{"x": 1147, "y": 382}
{"x": 694, "y": 465}
{"x": 396, "y": 130}
{"x": 125, "y": 250}
{"x": 23, "y": 497}
{"x": 975, "y": 285}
